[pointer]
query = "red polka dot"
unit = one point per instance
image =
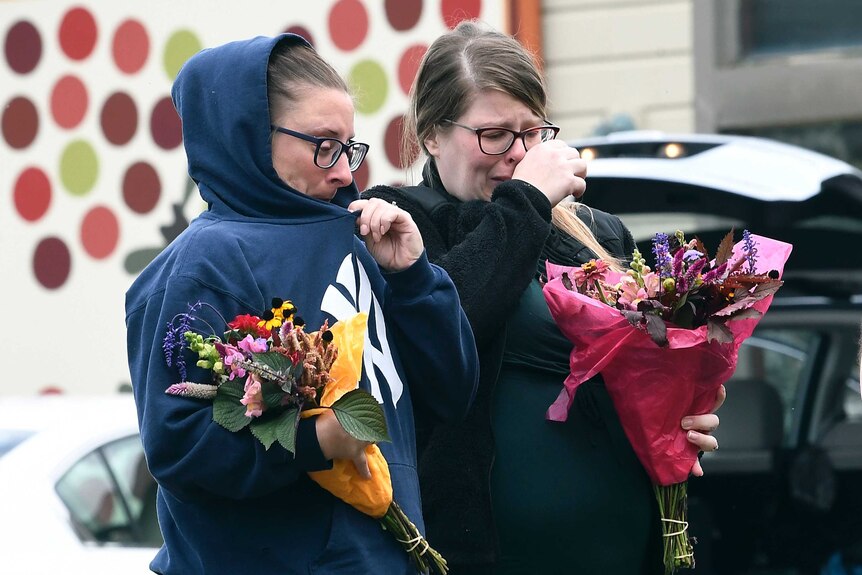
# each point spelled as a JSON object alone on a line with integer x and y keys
{"x": 392, "y": 141}
{"x": 141, "y": 187}
{"x": 301, "y": 31}
{"x": 23, "y": 47}
{"x": 348, "y": 24}
{"x": 454, "y": 11}
{"x": 362, "y": 175}
{"x": 78, "y": 33}
{"x": 32, "y": 194}
{"x": 119, "y": 118}
{"x": 131, "y": 46}
{"x": 20, "y": 122}
{"x": 52, "y": 262}
{"x": 69, "y": 101}
{"x": 165, "y": 125}
{"x": 403, "y": 14}
{"x": 100, "y": 231}
{"x": 409, "y": 64}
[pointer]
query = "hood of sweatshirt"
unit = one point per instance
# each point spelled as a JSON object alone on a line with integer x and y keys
{"x": 221, "y": 97}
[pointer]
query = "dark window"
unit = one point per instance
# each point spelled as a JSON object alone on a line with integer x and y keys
{"x": 781, "y": 26}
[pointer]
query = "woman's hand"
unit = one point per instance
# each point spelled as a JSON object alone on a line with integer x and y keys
{"x": 699, "y": 428}
{"x": 555, "y": 168}
{"x": 389, "y": 232}
{"x": 335, "y": 443}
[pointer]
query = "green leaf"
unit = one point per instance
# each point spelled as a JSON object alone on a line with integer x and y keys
{"x": 361, "y": 416}
{"x": 227, "y": 410}
{"x": 286, "y": 432}
{"x": 232, "y": 388}
{"x": 275, "y": 361}
{"x": 265, "y": 430}
{"x": 272, "y": 394}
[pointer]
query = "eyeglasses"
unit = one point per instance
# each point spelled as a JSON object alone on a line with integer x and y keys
{"x": 328, "y": 150}
{"x": 495, "y": 141}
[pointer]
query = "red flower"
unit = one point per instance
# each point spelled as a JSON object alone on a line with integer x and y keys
{"x": 248, "y": 324}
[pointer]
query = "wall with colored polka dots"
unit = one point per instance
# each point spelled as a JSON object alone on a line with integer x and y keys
{"x": 92, "y": 168}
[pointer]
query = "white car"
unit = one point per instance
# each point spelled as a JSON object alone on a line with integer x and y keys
{"x": 75, "y": 493}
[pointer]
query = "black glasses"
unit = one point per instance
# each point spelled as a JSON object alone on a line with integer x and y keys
{"x": 495, "y": 141}
{"x": 328, "y": 150}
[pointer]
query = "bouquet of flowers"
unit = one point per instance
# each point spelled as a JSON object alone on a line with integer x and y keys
{"x": 268, "y": 373}
{"x": 664, "y": 339}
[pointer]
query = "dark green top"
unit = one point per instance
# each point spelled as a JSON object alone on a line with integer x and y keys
{"x": 567, "y": 497}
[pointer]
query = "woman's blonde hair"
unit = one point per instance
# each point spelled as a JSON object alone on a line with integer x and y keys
{"x": 462, "y": 62}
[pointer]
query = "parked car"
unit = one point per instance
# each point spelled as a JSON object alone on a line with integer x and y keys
{"x": 783, "y": 493}
{"x": 75, "y": 493}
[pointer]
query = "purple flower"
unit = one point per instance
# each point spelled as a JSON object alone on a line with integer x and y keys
{"x": 174, "y": 342}
{"x": 661, "y": 251}
{"x": 252, "y": 345}
{"x": 750, "y": 251}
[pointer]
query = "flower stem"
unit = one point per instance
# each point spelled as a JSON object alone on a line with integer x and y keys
{"x": 405, "y": 532}
{"x": 673, "y": 508}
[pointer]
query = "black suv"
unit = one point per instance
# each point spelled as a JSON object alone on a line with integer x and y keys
{"x": 784, "y": 493}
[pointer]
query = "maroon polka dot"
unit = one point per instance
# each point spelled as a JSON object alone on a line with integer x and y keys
{"x": 32, "y": 194}
{"x": 403, "y": 14}
{"x": 454, "y": 11}
{"x": 69, "y": 101}
{"x": 100, "y": 231}
{"x": 165, "y": 125}
{"x": 348, "y": 24}
{"x": 141, "y": 187}
{"x": 119, "y": 118}
{"x": 23, "y": 47}
{"x": 301, "y": 31}
{"x": 408, "y": 65}
{"x": 392, "y": 141}
{"x": 131, "y": 46}
{"x": 20, "y": 122}
{"x": 52, "y": 262}
{"x": 362, "y": 175}
{"x": 78, "y": 33}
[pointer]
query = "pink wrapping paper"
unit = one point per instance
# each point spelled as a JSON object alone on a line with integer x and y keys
{"x": 652, "y": 387}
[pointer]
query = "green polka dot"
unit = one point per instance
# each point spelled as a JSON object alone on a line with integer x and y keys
{"x": 182, "y": 45}
{"x": 79, "y": 168}
{"x": 369, "y": 85}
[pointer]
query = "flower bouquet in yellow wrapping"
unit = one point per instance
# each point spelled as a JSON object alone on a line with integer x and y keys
{"x": 268, "y": 373}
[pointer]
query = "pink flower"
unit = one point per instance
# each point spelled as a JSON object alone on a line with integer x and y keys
{"x": 231, "y": 356}
{"x": 253, "y": 398}
{"x": 592, "y": 271}
{"x": 252, "y": 345}
{"x": 631, "y": 292}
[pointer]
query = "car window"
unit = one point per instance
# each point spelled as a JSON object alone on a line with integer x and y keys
{"x": 10, "y": 438}
{"x": 778, "y": 357}
{"x": 111, "y": 496}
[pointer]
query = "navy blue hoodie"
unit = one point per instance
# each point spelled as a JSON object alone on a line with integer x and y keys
{"x": 225, "y": 504}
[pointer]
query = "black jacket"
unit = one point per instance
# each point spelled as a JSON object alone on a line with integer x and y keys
{"x": 492, "y": 251}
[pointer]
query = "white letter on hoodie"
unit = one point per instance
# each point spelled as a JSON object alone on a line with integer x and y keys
{"x": 339, "y": 306}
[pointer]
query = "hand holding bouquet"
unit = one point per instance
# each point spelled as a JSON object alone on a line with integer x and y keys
{"x": 268, "y": 373}
{"x": 664, "y": 340}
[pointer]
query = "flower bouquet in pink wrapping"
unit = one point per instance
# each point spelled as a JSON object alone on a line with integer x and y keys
{"x": 664, "y": 339}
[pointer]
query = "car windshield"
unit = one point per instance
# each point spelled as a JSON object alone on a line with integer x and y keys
{"x": 10, "y": 438}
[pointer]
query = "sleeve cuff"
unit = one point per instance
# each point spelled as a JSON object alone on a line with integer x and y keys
{"x": 309, "y": 457}
{"x": 419, "y": 278}
{"x": 537, "y": 199}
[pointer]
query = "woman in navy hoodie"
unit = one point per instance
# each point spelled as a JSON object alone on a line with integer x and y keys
{"x": 268, "y": 131}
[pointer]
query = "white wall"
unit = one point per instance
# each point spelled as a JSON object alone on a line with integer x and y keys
{"x": 609, "y": 57}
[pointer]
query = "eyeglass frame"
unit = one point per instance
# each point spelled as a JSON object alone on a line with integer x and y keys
{"x": 516, "y": 135}
{"x": 317, "y": 143}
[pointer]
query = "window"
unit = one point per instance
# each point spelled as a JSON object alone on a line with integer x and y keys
{"x": 779, "y": 357}
{"x": 781, "y": 26}
{"x": 111, "y": 496}
{"x": 786, "y": 69}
